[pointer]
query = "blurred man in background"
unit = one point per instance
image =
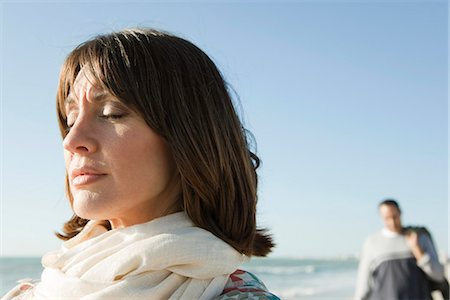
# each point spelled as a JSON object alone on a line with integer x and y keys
{"x": 398, "y": 262}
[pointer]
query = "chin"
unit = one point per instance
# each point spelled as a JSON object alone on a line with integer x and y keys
{"x": 88, "y": 209}
{"x": 83, "y": 213}
{"x": 88, "y": 205}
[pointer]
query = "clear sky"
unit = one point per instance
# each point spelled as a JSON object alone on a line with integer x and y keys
{"x": 347, "y": 101}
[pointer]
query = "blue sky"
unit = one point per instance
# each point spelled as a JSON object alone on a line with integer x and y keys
{"x": 347, "y": 101}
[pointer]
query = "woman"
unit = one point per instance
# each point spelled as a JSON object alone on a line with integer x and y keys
{"x": 159, "y": 175}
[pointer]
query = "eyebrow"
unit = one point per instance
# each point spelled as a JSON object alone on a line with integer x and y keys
{"x": 97, "y": 97}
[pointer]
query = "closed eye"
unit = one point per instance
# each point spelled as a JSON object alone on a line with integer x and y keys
{"x": 112, "y": 116}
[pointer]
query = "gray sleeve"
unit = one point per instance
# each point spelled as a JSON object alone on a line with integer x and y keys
{"x": 429, "y": 263}
{"x": 362, "y": 283}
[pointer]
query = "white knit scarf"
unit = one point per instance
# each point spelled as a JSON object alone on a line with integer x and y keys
{"x": 166, "y": 258}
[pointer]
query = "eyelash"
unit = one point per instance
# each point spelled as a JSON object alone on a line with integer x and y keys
{"x": 111, "y": 116}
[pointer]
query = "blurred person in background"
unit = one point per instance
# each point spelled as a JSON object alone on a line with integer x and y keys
{"x": 399, "y": 262}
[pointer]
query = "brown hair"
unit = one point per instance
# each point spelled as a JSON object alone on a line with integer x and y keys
{"x": 182, "y": 96}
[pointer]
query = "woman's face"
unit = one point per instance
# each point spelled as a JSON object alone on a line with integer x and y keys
{"x": 118, "y": 168}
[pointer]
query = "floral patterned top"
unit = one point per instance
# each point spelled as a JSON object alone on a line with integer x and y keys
{"x": 245, "y": 285}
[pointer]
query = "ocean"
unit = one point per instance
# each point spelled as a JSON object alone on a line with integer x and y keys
{"x": 305, "y": 279}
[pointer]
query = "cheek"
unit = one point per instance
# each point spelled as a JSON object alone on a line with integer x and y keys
{"x": 67, "y": 158}
{"x": 145, "y": 163}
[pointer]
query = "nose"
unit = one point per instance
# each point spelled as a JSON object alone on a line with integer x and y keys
{"x": 81, "y": 138}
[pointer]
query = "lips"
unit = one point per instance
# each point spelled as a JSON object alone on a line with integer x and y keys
{"x": 83, "y": 176}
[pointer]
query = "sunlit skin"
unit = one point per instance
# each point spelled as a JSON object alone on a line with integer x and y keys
{"x": 391, "y": 217}
{"x": 119, "y": 169}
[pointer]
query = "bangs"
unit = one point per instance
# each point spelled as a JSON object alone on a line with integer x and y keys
{"x": 93, "y": 59}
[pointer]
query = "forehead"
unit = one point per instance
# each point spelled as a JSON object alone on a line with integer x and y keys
{"x": 389, "y": 210}
{"x": 83, "y": 78}
{"x": 85, "y": 85}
